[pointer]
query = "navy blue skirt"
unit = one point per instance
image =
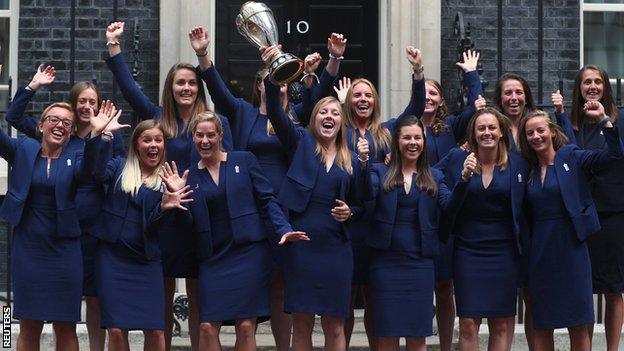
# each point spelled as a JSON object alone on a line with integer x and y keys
{"x": 88, "y": 243}
{"x": 178, "y": 247}
{"x": 131, "y": 292}
{"x": 236, "y": 284}
{"x": 401, "y": 285}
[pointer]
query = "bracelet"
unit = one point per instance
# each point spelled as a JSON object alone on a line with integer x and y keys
{"x": 310, "y": 74}
{"x": 29, "y": 87}
{"x": 363, "y": 160}
{"x": 604, "y": 121}
{"x": 339, "y": 58}
{"x": 202, "y": 55}
{"x": 112, "y": 42}
{"x": 418, "y": 69}
{"x": 108, "y": 136}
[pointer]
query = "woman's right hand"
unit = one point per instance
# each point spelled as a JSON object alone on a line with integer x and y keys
{"x": 343, "y": 87}
{"x": 470, "y": 164}
{"x": 175, "y": 199}
{"x": 557, "y": 100}
{"x": 114, "y": 31}
{"x": 594, "y": 110}
{"x": 311, "y": 62}
{"x": 293, "y": 236}
{"x": 44, "y": 76}
{"x": 171, "y": 177}
{"x": 107, "y": 119}
{"x": 470, "y": 61}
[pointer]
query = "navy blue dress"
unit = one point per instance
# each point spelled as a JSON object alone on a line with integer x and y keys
{"x": 130, "y": 287}
{"x": 485, "y": 261}
{"x": 179, "y": 255}
{"x": 46, "y": 270}
{"x": 559, "y": 270}
{"x": 401, "y": 280}
{"x": 318, "y": 273}
{"x": 234, "y": 280}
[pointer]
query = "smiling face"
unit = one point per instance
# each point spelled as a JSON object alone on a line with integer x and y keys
{"x": 433, "y": 98}
{"x": 150, "y": 146}
{"x": 487, "y": 131}
{"x": 56, "y": 126}
{"x": 411, "y": 142}
{"x": 207, "y": 140}
{"x": 592, "y": 85}
{"x": 87, "y": 100}
{"x": 362, "y": 101}
{"x": 539, "y": 135}
{"x": 513, "y": 98}
{"x": 185, "y": 87}
{"x": 327, "y": 121}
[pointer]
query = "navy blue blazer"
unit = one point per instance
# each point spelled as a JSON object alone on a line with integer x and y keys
{"x": 453, "y": 164}
{"x": 111, "y": 222}
{"x": 242, "y": 115}
{"x": 571, "y": 165}
{"x": 21, "y": 154}
{"x": 415, "y": 107}
{"x": 386, "y": 207}
{"x": 250, "y": 198}
{"x": 144, "y": 107}
{"x": 89, "y": 196}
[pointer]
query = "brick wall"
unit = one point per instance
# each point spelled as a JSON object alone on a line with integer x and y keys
{"x": 520, "y": 42}
{"x": 44, "y": 36}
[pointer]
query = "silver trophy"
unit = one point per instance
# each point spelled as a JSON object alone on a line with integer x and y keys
{"x": 256, "y": 23}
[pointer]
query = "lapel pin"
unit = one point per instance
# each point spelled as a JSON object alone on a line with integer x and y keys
{"x": 236, "y": 169}
{"x": 68, "y": 162}
{"x": 601, "y": 133}
{"x": 197, "y": 186}
{"x": 519, "y": 178}
{"x": 565, "y": 166}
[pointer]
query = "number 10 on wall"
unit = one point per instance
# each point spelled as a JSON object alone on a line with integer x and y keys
{"x": 302, "y": 27}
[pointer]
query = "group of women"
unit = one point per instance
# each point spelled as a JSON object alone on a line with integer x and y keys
{"x": 285, "y": 211}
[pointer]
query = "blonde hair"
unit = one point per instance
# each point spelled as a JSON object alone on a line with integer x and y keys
{"x": 63, "y": 105}
{"x": 343, "y": 154}
{"x": 502, "y": 155}
{"x": 381, "y": 135}
{"x": 207, "y": 116}
{"x": 130, "y": 177}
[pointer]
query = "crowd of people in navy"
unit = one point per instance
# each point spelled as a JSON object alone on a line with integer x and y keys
{"x": 285, "y": 211}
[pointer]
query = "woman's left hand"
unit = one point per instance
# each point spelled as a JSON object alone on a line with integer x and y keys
{"x": 107, "y": 119}
{"x": 594, "y": 110}
{"x": 336, "y": 45}
{"x": 267, "y": 53}
{"x": 470, "y": 61}
{"x": 341, "y": 212}
{"x": 311, "y": 62}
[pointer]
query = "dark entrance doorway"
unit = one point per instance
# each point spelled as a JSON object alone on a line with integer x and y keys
{"x": 304, "y": 27}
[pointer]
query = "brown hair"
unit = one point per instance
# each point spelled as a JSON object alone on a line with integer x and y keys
{"x": 256, "y": 98}
{"x": 78, "y": 88}
{"x": 438, "y": 125}
{"x": 343, "y": 154}
{"x": 170, "y": 114}
{"x": 381, "y": 135}
{"x": 394, "y": 177}
{"x": 559, "y": 139}
{"x": 607, "y": 101}
{"x": 207, "y": 116}
{"x": 529, "y": 104}
{"x": 502, "y": 156}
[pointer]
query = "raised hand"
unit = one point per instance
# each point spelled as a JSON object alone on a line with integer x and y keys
{"x": 176, "y": 199}
{"x": 363, "y": 150}
{"x": 114, "y": 31}
{"x": 557, "y": 101}
{"x": 343, "y": 87}
{"x": 311, "y": 62}
{"x": 267, "y": 53}
{"x": 414, "y": 57}
{"x": 171, "y": 177}
{"x": 341, "y": 212}
{"x": 470, "y": 164}
{"x": 336, "y": 45}
{"x": 480, "y": 103}
{"x": 470, "y": 61}
{"x": 594, "y": 110}
{"x": 199, "y": 39}
{"x": 293, "y": 236}
{"x": 44, "y": 76}
{"x": 107, "y": 119}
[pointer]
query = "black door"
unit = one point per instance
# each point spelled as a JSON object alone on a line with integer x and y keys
{"x": 304, "y": 27}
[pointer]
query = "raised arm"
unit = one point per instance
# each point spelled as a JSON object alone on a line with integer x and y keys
{"x": 562, "y": 117}
{"x": 416, "y": 106}
{"x": 472, "y": 82}
{"x": 223, "y": 99}
{"x": 590, "y": 159}
{"x": 116, "y": 62}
